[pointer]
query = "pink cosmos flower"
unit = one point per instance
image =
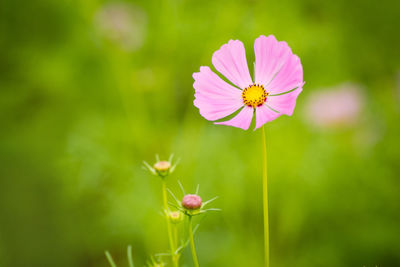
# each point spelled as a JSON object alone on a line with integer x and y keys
{"x": 278, "y": 80}
{"x": 324, "y": 110}
{"x": 122, "y": 23}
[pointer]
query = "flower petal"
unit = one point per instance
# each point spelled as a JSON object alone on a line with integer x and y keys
{"x": 264, "y": 114}
{"x": 215, "y": 98}
{"x": 241, "y": 120}
{"x": 270, "y": 56}
{"x": 230, "y": 60}
{"x": 290, "y": 76}
{"x": 285, "y": 103}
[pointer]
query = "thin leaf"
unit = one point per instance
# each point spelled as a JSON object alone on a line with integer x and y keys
{"x": 174, "y": 166}
{"x": 209, "y": 201}
{"x": 110, "y": 259}
{"x": 172, "y": 205}
{"x": 213, "y": 209}
{"x": 130, "y": 258}
{"x": 149, "y": 167}
{"x": 195, "y": 228}
{"x": 181, "y": 186}
{"x": 172, "y": 169}
{"x": 173, "y": 196}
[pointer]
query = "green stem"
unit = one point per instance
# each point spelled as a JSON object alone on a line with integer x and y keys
{"x": 175, "y": 229}
{"x": 265, "y": 199}
{"x": 192, "y": 247}
{"x": 170, "y": 236}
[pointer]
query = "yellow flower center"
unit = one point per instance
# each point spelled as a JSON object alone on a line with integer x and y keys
{"x": 254, "y": 95}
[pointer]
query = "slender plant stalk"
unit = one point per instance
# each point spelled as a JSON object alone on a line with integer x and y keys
{"x": 169, "y": 228}
{"x": 192, "y": 247}
{"x": 265, "y": 199}
{"x": 110, "y": 259}
{"x": 175, "y": 227}
{"x": 130, "y": 257}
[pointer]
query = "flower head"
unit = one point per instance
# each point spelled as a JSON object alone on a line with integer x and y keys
{"x": 122, "y": 23}
{"x": 162, "y": 168}
{"x": 277, "y": 83}
{"x": 191, "y": 202}
{"x": 175, "y": 216}
{"x": 325, "y": 111}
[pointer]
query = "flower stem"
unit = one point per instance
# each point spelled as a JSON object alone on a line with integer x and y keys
{"x": 170, "y": 236}
{"x": 265, "y": 199}
{"x": 192, "y": 247}
{"x": 175, "y": 230}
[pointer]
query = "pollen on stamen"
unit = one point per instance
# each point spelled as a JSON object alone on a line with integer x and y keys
{"x": 254, "y": 95}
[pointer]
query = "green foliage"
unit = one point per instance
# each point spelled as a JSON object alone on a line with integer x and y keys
{"x": 81, "y": 107}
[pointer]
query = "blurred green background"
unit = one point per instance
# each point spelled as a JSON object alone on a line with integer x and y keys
{"x": 90, "y": 89}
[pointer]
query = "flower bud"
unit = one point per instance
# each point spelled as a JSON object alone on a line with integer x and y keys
{"x": 175, "y": 216}
{"x": 162, "y": 168}
{"x": 191, "y": 202}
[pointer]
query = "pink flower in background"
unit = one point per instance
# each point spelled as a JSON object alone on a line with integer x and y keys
{"x": 277, "y": 83}
{"x": 339, "y": 106}
{"x": 122, "y": 23}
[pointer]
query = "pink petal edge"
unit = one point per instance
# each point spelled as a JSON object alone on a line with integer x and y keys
{"x": 264, "y": 114}
{"x": 289, "y": 77}
{"x": 285, "y": 103}
{"x": 230, "y": 61}
{"x": 241, "y": 120}
{"x": 270, "y": 56}
{"x": 214, "y": 97}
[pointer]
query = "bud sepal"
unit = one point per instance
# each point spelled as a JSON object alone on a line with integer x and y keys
{"x": 192, "y": 204}
{"x": 161, "y": 168}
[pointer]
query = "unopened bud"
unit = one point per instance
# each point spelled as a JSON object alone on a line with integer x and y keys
{"x": 162, "y": 168}
{"x": 191, "y": 202}
{"x": 175, "y": 216}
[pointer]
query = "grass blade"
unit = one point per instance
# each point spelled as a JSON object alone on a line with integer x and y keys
{"x": 110, "y": 259}
{"x": 130, "y": 258}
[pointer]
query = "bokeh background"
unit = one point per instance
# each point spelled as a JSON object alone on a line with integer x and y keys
{"x": 89, "y": 89}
